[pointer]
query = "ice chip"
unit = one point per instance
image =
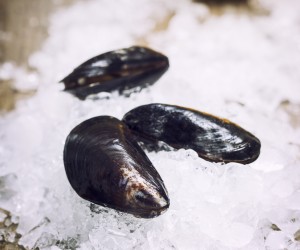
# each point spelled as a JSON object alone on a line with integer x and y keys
{"x": 276, "y": 240}
{"x": 237, "y": 235}
{"x": 282, "y": 188}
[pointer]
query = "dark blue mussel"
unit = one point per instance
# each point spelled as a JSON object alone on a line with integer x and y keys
{"x": 123, "y": 70}
{"x": 106, "y": 166}
{"x": 214, "y": 139}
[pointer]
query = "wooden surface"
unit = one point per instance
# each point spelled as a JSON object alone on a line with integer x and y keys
{"x": 23, "y": 28}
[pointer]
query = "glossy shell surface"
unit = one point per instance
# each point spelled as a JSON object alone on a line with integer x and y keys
{"x": 106, "y": 166}
{"x": 123, "y": 70}
{"x": 213, "y": 138}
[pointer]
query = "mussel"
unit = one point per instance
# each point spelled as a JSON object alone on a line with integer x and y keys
{"x": 213, "y": 138}
{"x": 106, "y": 166}
{"x": 123, "y": 70}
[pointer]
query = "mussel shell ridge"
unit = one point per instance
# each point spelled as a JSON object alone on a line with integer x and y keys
{"x": 213, "y": 138}
{"x": 106, "y": 166}
{"x": 123, "y": 70}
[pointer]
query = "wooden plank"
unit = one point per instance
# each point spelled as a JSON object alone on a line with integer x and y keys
{"x": 23, "y": 28}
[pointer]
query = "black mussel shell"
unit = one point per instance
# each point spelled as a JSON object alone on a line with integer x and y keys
{"x": 106, "y": 166}
{"x": 214, "y": 139}
{"x": 122, "y": 70}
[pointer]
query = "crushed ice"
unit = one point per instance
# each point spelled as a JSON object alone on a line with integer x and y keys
{"x": 238, "y": 65}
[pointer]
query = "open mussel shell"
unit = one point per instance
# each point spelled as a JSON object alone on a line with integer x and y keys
{"x": 106, "y": 166}
{"x": 213, "y": 138}
{"x": 123, "y": 70}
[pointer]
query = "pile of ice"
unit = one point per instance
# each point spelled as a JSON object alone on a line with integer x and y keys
{"x": 239, "y": 65}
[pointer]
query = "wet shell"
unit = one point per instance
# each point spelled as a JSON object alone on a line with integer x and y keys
{"x": 214, "y": 139}
{"x": 122, "y": 70}
{"x": 106, "y": 166}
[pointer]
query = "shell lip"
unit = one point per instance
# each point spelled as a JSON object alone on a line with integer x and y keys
{"x": 151, "y": 213}
{"x": 146, "y": 213}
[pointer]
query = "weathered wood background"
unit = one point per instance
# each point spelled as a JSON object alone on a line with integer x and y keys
{"x": 23, "y": 28}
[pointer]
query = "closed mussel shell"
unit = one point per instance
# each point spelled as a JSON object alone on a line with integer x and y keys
{"x": 123, "y": 70}
{"x": 213, "y": 138}
{"x": 106, "y": 166}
